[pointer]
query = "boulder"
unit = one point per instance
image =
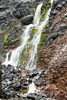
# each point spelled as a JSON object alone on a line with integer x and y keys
{"x": 27, "y": 20}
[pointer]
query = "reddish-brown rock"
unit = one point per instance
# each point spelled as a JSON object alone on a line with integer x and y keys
{"x": 53, "y": 59}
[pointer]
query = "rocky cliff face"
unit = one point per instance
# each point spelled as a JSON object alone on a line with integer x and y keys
{"x": 53, "y": 56}
{"x": 52, "y": 51}
{"x": 14, "y": 15}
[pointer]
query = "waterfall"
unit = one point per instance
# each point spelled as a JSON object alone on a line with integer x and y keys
{"x": 37, "y": 15}
{"x": 53, "y": 1}
{"x": 7, "y": 58}
{"x": 35, "y": 41}
{"x": 14, "y": 59}
{"x": 15, "y": 54}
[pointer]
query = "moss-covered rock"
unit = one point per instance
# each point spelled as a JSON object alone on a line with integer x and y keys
{"x": 6, "y": 39}
{"x": 43, "y": 13}
{"x": 43, "y": 35}
{"x": 25, "y": 56}
{"x": 49, "y": 1}
{"x": 33, "y": 31}
{"x": 2, "y": 31}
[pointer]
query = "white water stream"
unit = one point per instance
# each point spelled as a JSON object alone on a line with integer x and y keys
{"x": 35, "y": 41}
{"x": 15, "y": 54}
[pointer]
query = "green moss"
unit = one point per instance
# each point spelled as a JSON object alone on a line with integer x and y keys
{"x": 24, "y": 56}
{"x": 43, "y": 12}
{"x": 43, "y": 35}
{"x": 8, "y": 27}
{"x": 34, "y": 10}
{"x": 33, "y": 32}
{"x": 44, "y": 26}
{"x": 42, "y": 39}
{"x": 23, "y": 91}
{"x": 2, "y": 31}
{"x": 49, "y": 1}
{"x": 6, "y": 39}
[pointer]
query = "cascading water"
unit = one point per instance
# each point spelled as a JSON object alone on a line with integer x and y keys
{"x": 7, "y": 58}
{"x": 15, "y": 54}
{"x": 37, "y": 15}
{"x": 35, "y": 41}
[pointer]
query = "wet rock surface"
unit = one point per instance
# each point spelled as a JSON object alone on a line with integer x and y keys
{"x": 14, "y": 16}
{"x": 15, "y": 83}
{"x": 27, "y": 20}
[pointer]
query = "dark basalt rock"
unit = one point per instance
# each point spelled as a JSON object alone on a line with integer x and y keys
{"x": 3, "y": 8}
{"x": 22, "y": 10}
{"x": 35, "y": 96}
{"x": 27, "y": 20}
{"x": 57, "y": 22}
{"x": 59, "y": 4}
{"x": 13, "y": 81}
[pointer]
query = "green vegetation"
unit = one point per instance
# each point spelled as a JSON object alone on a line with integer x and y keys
{"x": 33, "y": 32}
{"x": 25, "y": 56}
{"x": 43, "y": 35}
{"x": 34, "y": 10}
{"x": 49, "y": 1}
{"x": 2, "y": 31}
{"x": 44, "y": 26}
{"x": 23, "y": 91}
{"x": 42, "y": 39}
{"x": 43, "y": 12}
{"x": 6, "y": 39}
{"x": 19, "y": 39}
